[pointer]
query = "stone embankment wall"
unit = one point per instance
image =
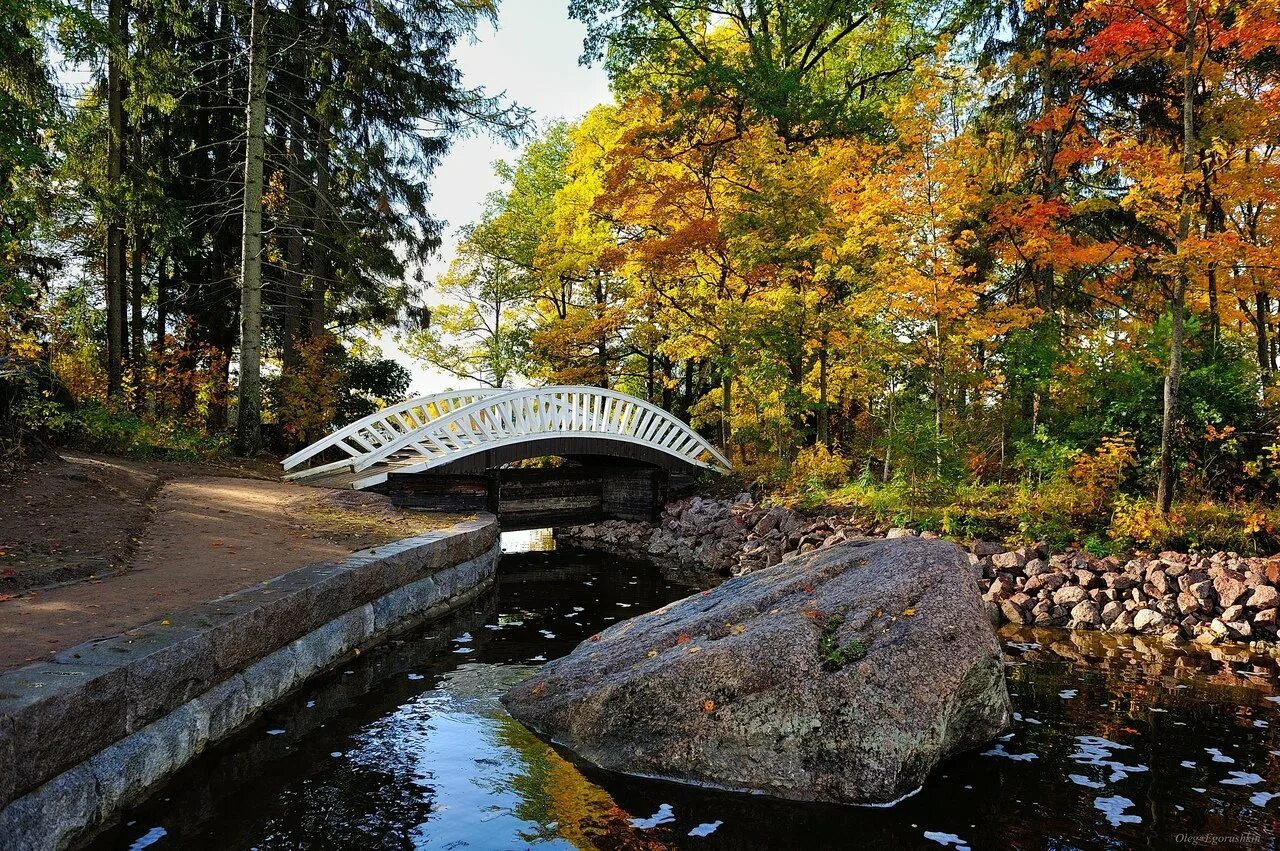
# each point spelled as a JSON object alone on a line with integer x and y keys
{"x": 1177, "y": 596}
{"x": 96, "y": 728}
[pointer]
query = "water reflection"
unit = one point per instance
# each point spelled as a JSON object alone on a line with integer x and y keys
{"x": 529, "y": 541}
{"x": 1117, "y": 743}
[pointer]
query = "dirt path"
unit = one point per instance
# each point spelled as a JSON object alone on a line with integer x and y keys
{"x": 82, "y": 515}
{"x": 206, "y": 536}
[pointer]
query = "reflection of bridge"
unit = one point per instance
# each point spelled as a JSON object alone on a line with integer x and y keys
{"x": 445, "y": 451}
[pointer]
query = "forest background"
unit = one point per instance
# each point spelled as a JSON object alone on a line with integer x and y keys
{"x": 987, "y": 268}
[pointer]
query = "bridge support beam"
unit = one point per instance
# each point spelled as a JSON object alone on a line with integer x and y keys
{"x": 536, "y": 498}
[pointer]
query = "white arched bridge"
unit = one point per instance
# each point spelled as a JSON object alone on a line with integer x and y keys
{"x": 434, "y": 450}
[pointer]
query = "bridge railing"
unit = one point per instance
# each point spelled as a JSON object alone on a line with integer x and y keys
{"x": 518, "y": 415}
{"x": 431, "y": 431}
{"x": 386, "y": 427}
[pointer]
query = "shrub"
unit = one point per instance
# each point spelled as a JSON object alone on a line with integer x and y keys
{"x": 817, "y": 468}
{"x": 1201, "y": 525}
{"x": 101, "y": 428}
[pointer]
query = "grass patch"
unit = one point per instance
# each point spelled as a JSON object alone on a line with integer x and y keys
{"x": 361, "y": 529}
{"x": 834, "y": 656}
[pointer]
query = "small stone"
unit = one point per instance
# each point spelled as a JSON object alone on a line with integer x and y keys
{"x": 1271, "y": 570}
{"x": 1035, "y": 567}
{"x": 1000, "y": 589}
{"x": 1119, "y": 581}
{"x": 1111, "y": 611}
{"x": 1070, "y": 595}
{"x": 986, "y": 548}
{"x": 1147, "y": 620}
{"x": 1122, "y": 624}
{"x": 1085, "y": 615}
{"x": 1229, "y": 586}
{"x": 1239, "y": 629}
{"x": 1009, "y": 561}
{"x": 1013, "y": 613}
{"x": 1263, "y": 597}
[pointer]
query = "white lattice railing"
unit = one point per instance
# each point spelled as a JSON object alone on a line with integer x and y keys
{"x": 498, "y": 418}
{"x": 381, "y": 429}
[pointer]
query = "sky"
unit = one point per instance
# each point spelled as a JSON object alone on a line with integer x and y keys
{"x": 533, "y": 58}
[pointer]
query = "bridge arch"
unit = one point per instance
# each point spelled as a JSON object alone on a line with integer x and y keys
{"x": 473, "y": 430}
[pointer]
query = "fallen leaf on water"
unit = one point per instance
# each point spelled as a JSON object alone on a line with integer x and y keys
{"x": 164, "y": 622}
{"x": 909, "y": 612}
{"x": 539, "y": 689}
{"x": 653, "y": 653}
{"x": 595, "y": 637}
{"x": 682, "y": 638}
{"x": 738, "y": 629}
{"x": 694, "y": 649}
{"x": 708, "y": 705}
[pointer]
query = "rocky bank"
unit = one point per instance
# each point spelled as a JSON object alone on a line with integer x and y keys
{"x": 1204, "y": 598}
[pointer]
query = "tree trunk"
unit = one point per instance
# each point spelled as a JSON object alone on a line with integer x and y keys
{"x": 1177, "y": 303}
{"x": 162, "y": 322}
{"x": 118, "y": 26}
{"x": 649, "y": 382}
{"x": 293, "y": 273}
{"x": 137, "y": 352}
{"x": 888, "y": 443}
{"x": 249, "y": 409}
{"x": 726, "y": 408}
{"x": 295, "y": 187}
{"x": 320, "y": 267}
{"x": 1261, "y": 309}
{"x": 939, "y": 377}
{"x": 824, "y": 419}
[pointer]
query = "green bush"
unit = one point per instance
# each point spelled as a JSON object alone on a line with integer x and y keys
{"x": 99, "y": 428}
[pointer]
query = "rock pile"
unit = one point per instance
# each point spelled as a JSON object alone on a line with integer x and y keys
{"x": 734, "y": 536}
{"x": 1206, "y": 599}
{"x": 1176, "y": 596}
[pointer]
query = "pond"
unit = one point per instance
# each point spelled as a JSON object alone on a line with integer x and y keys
{"x": 1115, "y": 745}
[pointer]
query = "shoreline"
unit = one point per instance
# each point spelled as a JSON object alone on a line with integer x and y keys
{"x": 1176, "y": 597}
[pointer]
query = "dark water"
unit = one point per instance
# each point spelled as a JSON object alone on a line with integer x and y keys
{"x": 1117, "y": 745}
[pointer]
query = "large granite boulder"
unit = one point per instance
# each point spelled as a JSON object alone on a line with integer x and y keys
{"x": 843, "y": 675}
